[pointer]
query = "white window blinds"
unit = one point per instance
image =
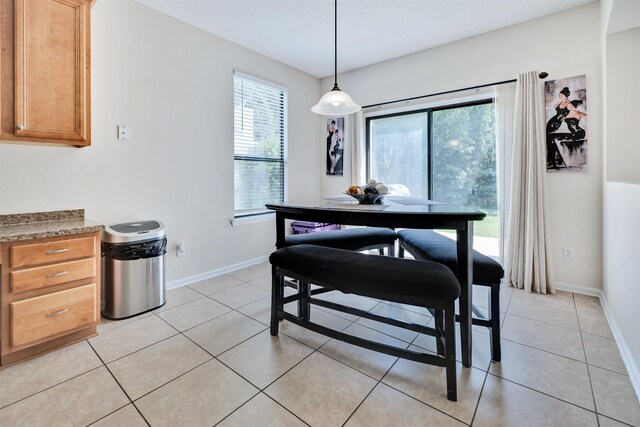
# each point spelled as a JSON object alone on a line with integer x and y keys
{"x": 260, "y": 144}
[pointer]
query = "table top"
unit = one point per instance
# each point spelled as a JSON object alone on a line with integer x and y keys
{"x": 395, "y": 211}
{"x": 391, "y": 205}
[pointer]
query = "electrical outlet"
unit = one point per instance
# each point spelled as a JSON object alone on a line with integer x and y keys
{"x": 123, "y": 133}
{"x": 567, "y": 254}
{"x": 181, "y": 249}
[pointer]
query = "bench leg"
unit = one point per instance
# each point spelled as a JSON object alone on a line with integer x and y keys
{"x": 400, "y": 251}
{"x": 494, "y": 315}
{"x": 439, "y": 323}
{"x": 276, "y": 299}
{"x": 300, "y": 301}
{"x": 450, "y": 353}
{"x": 304, "y": 307}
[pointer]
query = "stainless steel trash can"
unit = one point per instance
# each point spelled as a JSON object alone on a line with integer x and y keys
{"x": 133, "y": 268}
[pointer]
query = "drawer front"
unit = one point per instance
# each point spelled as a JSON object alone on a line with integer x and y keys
{"x": 49, "y": 275}
{"x": 36, "y": 318}
{"x": 49, "y": 252}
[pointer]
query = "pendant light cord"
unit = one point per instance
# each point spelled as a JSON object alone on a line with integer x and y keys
{"x": 335, "y": 47}
{"x": 335, "y": 102}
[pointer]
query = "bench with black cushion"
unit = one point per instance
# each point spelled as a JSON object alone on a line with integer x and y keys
{"x": 419, "y": 283}
{"x": 431, "y": 246}
{"x": 353, "y": 239}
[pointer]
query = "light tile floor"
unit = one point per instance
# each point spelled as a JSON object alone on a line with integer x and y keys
{"x": 206, "y": 358}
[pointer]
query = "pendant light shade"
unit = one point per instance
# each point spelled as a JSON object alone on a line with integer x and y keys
{"x": 335, "y": 102}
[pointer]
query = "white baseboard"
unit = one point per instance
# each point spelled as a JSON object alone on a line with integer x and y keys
{"x": 627, "y": 358}
{"x": 585, "y": 290}
{"x": 213, "y": 273}
{"x": 625, "y": 353}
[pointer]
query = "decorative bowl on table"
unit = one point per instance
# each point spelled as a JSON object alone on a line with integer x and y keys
{"x": 367, "y": 198}
{"x": 371, "y": 193}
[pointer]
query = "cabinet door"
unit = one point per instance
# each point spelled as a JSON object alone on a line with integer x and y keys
{"x": 52, "y": 69}
{"x": 37, "y": 318}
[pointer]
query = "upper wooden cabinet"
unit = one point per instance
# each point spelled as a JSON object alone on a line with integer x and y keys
{"x": 45, "y": 64}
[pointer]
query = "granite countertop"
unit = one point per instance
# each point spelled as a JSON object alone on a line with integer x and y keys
{"x": 39, "y": 225}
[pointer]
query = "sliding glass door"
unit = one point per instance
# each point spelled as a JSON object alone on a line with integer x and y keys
{"x": 446, "y": 154}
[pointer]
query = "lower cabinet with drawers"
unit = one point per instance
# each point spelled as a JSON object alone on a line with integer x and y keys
{"x": 50, "y": 294}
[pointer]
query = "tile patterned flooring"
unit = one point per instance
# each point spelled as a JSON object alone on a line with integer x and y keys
{"x": 206, "y": 358}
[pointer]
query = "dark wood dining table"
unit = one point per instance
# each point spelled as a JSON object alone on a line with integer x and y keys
{"x": 398, "y": 212}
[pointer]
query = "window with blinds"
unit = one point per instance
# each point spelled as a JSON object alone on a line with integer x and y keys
{"x": 260, "y": 144}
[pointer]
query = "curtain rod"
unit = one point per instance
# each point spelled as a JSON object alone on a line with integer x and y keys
{"x": 542, "y": 75}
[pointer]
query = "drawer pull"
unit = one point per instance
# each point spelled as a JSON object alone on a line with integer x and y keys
{"x": 62, "y": 273}
{"x": 58, "y": 313}
{"x": 56, "y": 251}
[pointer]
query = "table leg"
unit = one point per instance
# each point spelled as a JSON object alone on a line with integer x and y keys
{"x": 465, "y": 277}
{"x": 279, "y": 245}
{"x": 279, "y": 230}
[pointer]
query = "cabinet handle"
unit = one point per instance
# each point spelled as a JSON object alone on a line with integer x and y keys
{"x": 62, "y": 273}
{"x": 57, "y": 251}
{"x": 58, "y": 313}
{"x": 20, "y": 127}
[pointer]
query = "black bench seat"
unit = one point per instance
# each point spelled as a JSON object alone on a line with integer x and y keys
{"x": 419, "y": 283}
{"x": 431, "y": 246}
{"x": 353, "y": 239}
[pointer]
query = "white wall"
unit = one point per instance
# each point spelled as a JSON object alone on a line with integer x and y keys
{"x": 172, "y": 84}
{"x": 623, "y": 88}
{"x": 621, "y": 208}
{"x": 575, "y": 198}
{"x": 621, "y": 288}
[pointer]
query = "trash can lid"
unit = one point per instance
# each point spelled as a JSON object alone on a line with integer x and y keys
{"x": 133, "y": 232}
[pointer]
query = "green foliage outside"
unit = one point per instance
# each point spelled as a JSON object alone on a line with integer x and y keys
{"x": 488, "y": 227}
{"x": 464, "y": 157}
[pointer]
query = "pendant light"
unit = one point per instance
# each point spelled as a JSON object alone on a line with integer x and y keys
{"x": 335, "y": 102}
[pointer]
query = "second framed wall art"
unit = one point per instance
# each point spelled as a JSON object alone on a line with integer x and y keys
{"x": 335, "y": 146}
{"x": 566, "y": 115}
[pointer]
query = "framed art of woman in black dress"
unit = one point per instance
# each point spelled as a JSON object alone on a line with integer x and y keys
{"x": 566, "y": 145}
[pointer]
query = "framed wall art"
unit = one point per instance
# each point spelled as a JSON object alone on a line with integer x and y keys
{"x": 335, "y": 146}
{"x": 566, "y": 115}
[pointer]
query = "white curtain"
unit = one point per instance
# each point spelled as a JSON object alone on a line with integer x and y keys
{"x": 505, "y": 100}
{"x": 528, "y": 261}
{"x": 358, "y": 150}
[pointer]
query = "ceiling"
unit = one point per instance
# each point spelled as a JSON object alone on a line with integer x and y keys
{"x": 299, "y": 33}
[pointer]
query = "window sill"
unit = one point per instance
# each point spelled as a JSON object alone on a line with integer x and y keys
{"x": 252, "y": 219}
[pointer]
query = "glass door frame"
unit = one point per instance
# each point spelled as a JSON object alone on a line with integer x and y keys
{"x": 429, "y": 145}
